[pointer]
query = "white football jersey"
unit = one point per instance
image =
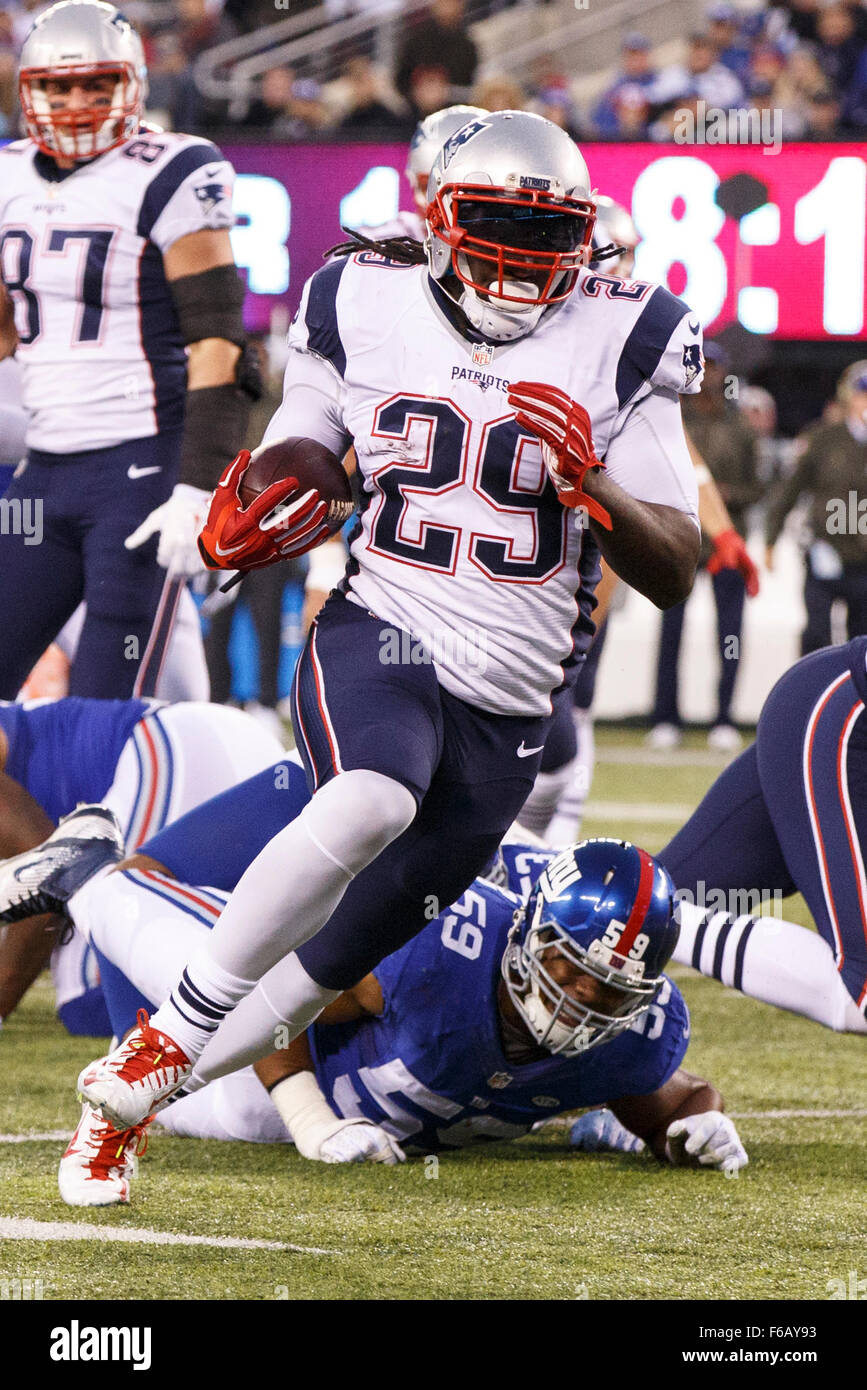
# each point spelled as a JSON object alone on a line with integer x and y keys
{"x": 462, "y": 540}
{"x": 81, "y": 255}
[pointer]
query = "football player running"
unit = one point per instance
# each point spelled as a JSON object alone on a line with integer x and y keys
{"x": 491, "y": 385}
{"x": 115, "y": 253}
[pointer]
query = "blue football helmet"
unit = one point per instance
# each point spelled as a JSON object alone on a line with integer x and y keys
{"x": 608, "y": 908}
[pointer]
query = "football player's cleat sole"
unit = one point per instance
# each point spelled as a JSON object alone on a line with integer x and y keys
{"x": 44, "y": 879}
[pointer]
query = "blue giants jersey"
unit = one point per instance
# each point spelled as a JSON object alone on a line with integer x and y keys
{"x": 66, "y": 751}
{"x": 432, "y": 1069}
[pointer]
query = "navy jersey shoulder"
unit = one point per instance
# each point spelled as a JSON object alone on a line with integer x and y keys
{"x": 165, "y": 184}
{"x": 66, "y": 751}
{"x": 646, "y": 344}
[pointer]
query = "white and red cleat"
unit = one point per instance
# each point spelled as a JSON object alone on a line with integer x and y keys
{"x": 100, "y": 1162}
{"x": 135, "y": 1080}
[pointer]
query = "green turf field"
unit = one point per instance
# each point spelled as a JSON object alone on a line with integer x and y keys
{"x": 526, "y": 1219}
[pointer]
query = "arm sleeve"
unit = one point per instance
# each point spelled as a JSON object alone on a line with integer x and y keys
{"x": 192, "y": 193}
{"x": 313, "y": 388}
{"x": 648, "y": 456}
{"x": 312, "y": 404}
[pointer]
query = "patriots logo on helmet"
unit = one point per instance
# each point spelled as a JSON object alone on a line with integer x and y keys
{"x": 460, "y": 137}
{"x": 693, "y": 362}
{"x": 210, "y": 194}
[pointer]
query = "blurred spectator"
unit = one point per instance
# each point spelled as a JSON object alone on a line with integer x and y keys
{"x": 702, "y": 76}
{"x": 8, "y": 86}
{"x": 759, "y": 409}
{"x": 439, "y": 41}
{"x": 831, "y": 472}
{"x": 623, "y": 97}
{"x": 728, "y": 447}
{"x": 289, "y": 108}
{"x": 823, "y": 116}
{"x": 556, "y": 105}
{"x": 724, "y": 31}
{"x": 838, "y": 52}
{"x": 796, "y": 17}
{"x": 429, "y": 91}
{"x": 500, "y": 93}
{"x": 767, "y": 64}
{"x": 367, "y": 111}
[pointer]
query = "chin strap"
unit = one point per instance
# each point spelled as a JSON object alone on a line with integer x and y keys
{"x": 496, "y": 322}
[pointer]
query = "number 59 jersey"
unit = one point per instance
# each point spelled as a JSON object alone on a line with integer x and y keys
{"x": 432, "y": 1069}
{"x": 81, "y": 254}
{"x": 462, "y": 540}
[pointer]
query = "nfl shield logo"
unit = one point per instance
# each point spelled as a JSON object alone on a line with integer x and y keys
{"x": 482, "y": 354}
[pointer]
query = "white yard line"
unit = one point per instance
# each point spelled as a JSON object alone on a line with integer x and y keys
{"x": 678, "y": 757}
{"x": 53, "y": 1136}
{"x": 639, "y": 810}
{"x": 13, "y": 1228}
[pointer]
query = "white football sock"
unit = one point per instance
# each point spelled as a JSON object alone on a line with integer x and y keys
{"x": 281, "y": 1006}
{"x": 777, "y": 962}
{"x": 284, "y": 897}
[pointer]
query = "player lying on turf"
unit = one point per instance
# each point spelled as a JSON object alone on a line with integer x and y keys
{"x": 497, "y": 1015}
{"x": 149, "y": 763}
{"x": 789, "y": 815}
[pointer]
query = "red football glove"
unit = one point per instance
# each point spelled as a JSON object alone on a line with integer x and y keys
{"x": 567, "y": 441}
{"x": 730, "y": 553}
{"x": 279, "y": 524}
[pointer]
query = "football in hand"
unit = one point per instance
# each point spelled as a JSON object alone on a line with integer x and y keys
{"x": 312, "y": 464}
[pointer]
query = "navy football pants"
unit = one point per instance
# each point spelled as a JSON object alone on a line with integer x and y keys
{"x": 87, "y": 504}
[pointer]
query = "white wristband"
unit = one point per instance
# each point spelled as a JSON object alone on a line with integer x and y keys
{"x": 327, "y": 564}
{"x": 305, "y": 1112}
{"x": 703, "y": 474}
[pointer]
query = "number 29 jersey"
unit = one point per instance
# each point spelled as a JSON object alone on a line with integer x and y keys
{"x": 81, "y": 254}
{"x": 462, "y": 540}
{"x": 432, "y": 1069}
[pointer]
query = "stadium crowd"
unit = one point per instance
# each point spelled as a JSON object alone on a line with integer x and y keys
{"x": 806, "y": 59}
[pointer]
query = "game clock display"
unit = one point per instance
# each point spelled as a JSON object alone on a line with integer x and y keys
{"x": 772, "y": 237}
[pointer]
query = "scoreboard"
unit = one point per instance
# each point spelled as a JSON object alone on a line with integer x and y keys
{"x": 774, "y": 238}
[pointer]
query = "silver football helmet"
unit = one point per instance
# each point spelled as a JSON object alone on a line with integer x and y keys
{"x": 510, "y": 217}
{"x": 428, "y": 139}
{"x": 81, "y": 39}
{"x": 614, "y": 226}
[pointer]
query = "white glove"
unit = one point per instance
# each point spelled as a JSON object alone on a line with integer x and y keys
{"x": 709, "y": 1139}
{"x": 600, "y": 1131}
{"x": 361, "y": 1141}
{"x": 178, "y": 521}
{"x": 326, "y": 1137}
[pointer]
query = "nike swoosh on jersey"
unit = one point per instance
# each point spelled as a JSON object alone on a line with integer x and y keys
{"x": 528, "y": 752}
{"x": 209, "y": 173}
{"x": 694, "y": 327}
{"x": 134, "y": 472}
